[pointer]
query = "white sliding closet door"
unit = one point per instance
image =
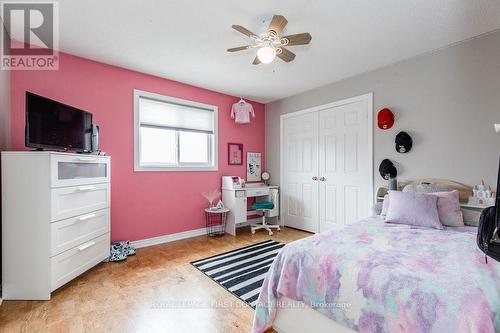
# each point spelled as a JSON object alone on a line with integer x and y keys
{"x": 344, "y": 164}
{"x": 300, "y": 165}
{"x": 327, "y": 165}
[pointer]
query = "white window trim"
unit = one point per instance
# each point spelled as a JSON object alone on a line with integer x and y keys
{"x": 168, "y": 99}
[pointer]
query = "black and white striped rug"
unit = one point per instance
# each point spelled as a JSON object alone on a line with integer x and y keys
{"x": 241, "y": 271}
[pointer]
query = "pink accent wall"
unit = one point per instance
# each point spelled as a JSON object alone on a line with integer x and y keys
{"x": 143, "y": 204}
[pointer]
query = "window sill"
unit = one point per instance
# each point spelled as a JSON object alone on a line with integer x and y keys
{"x": 174, "y": 169}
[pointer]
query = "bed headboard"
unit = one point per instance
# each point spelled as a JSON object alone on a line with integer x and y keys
{"x": 463, "y": 190}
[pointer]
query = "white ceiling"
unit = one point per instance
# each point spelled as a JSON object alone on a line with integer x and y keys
{"x": 186, "y": 40}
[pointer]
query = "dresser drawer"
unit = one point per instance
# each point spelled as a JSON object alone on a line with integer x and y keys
{"x": 70, "y": 170}
{"x": 74, "y": 231}
{"x": 73, "y": 201}
{"x": 68, "y": 265}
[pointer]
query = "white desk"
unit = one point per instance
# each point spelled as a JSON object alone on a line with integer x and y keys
{"x": 236, "y": 201}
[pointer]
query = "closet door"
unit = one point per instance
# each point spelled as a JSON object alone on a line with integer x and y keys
{"x": 300, "y": 167}
{"x": 344, "y": 164}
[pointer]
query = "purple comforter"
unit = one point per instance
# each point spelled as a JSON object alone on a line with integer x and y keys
{"x": 377, "y": 277}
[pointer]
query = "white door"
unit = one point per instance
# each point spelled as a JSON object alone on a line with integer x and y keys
{"x": 300, "y": 166}
{"x": 344, "y": 164}
{"x": 326, "y": 163}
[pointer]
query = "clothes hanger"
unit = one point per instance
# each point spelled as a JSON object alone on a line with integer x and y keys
{"x": 242, "y": 101}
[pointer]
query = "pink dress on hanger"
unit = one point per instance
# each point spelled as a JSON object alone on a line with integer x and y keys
{"x": 241, "y": 112}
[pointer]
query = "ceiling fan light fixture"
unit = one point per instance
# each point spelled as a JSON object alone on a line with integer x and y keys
{"x": 271, "y": 44}
{"x": 266, "y": 54}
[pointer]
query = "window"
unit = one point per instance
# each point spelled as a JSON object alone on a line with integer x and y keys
{"x": 174, "y": 134}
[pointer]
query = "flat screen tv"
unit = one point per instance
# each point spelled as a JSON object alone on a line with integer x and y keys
{"x": 50, "y": 124}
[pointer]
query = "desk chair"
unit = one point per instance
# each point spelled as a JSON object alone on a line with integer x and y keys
{"x": 263, "y": 207}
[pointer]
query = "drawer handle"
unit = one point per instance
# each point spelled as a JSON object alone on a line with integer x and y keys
{"x": 86, "y": 217}
{"x": 79, "y": 159}
{"x": 86, "y": 246}
{"x": 86, "y": 188}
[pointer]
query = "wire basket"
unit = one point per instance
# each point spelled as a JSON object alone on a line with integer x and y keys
{"x": 216, "y": 222}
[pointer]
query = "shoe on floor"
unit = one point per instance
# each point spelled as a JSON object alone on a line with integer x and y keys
{"x": 126, "y": 246}
{"x": 116, "y": 253}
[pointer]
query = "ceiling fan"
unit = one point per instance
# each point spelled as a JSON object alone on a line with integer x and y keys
{"x": 271, "y": 44}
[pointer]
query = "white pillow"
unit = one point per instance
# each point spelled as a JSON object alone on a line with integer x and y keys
{"x": 426, "y": 188}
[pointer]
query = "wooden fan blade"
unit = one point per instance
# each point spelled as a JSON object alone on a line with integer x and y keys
{"x": 239, "y": 48}
{"x": 244, "y": 30}
{"x": 286, "y": 55}
{"x": 277, "y": 24}
{"x": 298, "y": 39}
{"x": 256, "y": 61}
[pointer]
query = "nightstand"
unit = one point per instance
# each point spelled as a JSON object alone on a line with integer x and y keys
{"x": 472, "y": 213}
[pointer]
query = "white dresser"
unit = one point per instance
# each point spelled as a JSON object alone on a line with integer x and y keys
{"x": 55, "y": 220}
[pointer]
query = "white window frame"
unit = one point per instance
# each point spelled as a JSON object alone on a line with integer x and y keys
{"x": 213, "y": 144}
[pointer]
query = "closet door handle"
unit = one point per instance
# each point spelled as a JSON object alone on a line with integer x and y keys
{"x": 323, "y": 179}
{"x": 314, "y": 178}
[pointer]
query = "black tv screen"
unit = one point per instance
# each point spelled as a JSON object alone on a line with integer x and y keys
{"x": 50, "y": 124}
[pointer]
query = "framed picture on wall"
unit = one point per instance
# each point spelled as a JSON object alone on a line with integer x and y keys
{"x": 235, "y": 153}
{"x": 254, "y": 167}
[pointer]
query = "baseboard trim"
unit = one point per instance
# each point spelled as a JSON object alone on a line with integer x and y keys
{"x": 168, "y": 238}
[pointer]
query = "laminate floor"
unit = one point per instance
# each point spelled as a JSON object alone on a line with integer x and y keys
{"x": 157, "y": 290}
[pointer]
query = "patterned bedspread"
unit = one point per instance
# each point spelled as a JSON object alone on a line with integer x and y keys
{"x": 378, "y": 277}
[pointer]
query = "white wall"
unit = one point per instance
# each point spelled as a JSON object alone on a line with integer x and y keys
{"x": 447, "y": 101}
{"x": 4, "y": 114}
{"x": 4, "y": 108}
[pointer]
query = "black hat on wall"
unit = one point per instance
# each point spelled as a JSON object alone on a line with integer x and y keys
{"x": 387, "y": 169}
{"x": 404, "y": 142}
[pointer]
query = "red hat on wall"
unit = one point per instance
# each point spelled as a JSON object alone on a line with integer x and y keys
{"x": 385, "y": 119}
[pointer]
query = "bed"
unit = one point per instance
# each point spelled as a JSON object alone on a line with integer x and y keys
{"x": 374, "y": 276}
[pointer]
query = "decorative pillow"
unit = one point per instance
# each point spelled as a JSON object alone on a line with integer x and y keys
{"x": 412, "y": 208}
{"x": 425, "y": 188}
{"x": 385, "y": 206}
{"x": 448, "y": 206}
{"x": 377, "y": 208}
